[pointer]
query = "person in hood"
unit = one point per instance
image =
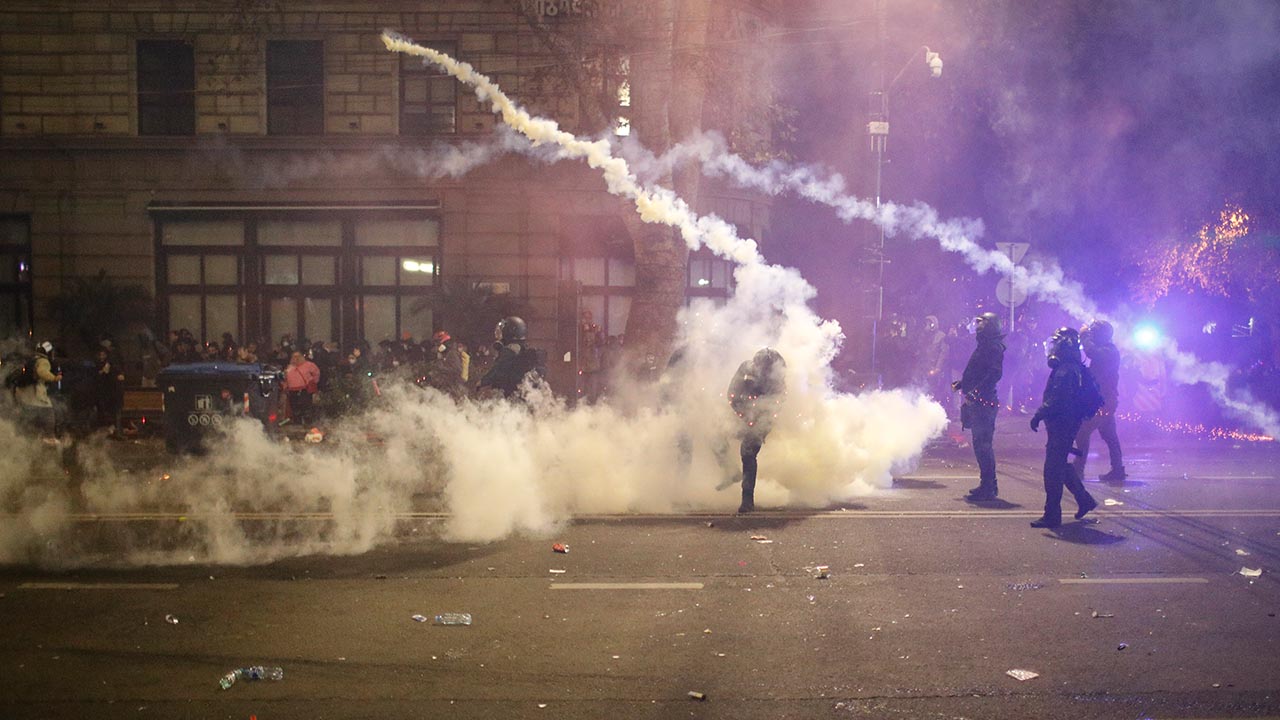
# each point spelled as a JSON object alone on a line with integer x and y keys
{"x": 1061, "y": 414}
{"x": 755, "y": 394}
{"x": 977, "y": 386}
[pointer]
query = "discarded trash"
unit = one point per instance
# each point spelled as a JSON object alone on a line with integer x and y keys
{"x": 812, "y": 599}
{"x": 859, "y": 564}
{"x": 560, "y": 548}
{"x": 1019, "y": 587}
{"x": 419, "y": 618}
{"x": 695, "y": 695}
{"x": 314, "y": 436}
{"x": 1022, "y": 674}
{"x": 1103, "y": 615}
{"x": 1112, "y": 501}
{"x": 822, "y": 572}
{"x": 710, "y": 524}
{"x": 453, "y": 619}
{"x": 171, "y": 619}
{"x": 764, "y": 542}
{"x": 379, "y": 577}
{"x": 257, "y": 672}
{"x": 541, "y": 705}
{"x": 1122, "y": 646}
{"x": 557, "y": 572}
{"x": 1241, "y": 551}
{"x": 759, "y": 537}
{"x": 1250, "y": 572}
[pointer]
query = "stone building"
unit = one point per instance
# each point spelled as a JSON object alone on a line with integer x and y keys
{"x": 266, "y": 168}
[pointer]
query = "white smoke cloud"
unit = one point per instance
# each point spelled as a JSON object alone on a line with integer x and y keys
{"x": 496, "y": 468}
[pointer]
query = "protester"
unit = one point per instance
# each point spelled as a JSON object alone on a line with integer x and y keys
{"x": 32, "y": 393}
{"x": 301, "y": 383}
{"x": 755, "y": 394}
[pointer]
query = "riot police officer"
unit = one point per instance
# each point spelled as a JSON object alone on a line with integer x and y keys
{"x": 515, "y": 359}
{"x": 1061, "y": 413}
{"x": 978, "y": 411}
{"x": 1104, "y": 363}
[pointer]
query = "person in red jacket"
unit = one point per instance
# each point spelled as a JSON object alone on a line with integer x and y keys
{"x": 301, "y": 382}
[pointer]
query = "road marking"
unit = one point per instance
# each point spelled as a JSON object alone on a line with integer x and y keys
{"x": 626, "y": 586}
{"x": 1133, "y": 581}
{"x": 699, "y": 515}
{"x": 96, "y": 586}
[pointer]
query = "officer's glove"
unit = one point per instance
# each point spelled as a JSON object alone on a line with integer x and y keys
{"x": 1035, "y": 422}
{"x": 955, "y": 386}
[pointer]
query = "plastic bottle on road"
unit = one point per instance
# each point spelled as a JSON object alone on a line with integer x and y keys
{"x": 256, "y": 672}
{"x": 453, "y": 619}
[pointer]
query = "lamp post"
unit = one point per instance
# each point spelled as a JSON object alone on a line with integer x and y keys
{"x": 878, "y": 131}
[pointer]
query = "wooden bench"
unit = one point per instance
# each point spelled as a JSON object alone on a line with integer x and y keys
{"x": 145, "y": 405}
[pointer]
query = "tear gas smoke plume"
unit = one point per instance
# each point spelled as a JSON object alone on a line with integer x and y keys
{"x": 494, "y": 467}
{"x": 1046, "y": 281}
{"x": 438, "y": 161}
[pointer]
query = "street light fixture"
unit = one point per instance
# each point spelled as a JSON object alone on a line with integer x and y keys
{"x": 878, "y": 130}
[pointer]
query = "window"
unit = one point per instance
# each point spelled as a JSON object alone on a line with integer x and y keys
{"x": 708, "y": 275}
{"x": 166, "y": 88}
{"x": 295, "y": 87}
{"x": 605, "y": 286}
{"x": 319, "y": 275}
{"x": 428, "y": 96}
{"x": 15, "y": 277}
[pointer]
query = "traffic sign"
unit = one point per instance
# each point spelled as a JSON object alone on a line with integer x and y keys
{"x": 1009, "y": 294}
{"x": 1013, "y": 251}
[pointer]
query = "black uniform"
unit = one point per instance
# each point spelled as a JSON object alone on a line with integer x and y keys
{"x": 1104, "y": 363}
{"x": 981, "y": 403}
{"x": 1062, "y": 415}
{"x": 755, "y": 394}
{"x": 508, "y": 370}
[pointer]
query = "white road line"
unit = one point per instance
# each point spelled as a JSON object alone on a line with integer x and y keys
{"x": 626, "y": 586}
{"x": 700, "y": 515}
{"x": 1133, "y": 581}
{"x": 96, "y": 586}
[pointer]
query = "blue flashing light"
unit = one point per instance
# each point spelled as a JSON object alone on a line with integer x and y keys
{"x": 1147, "y": 337}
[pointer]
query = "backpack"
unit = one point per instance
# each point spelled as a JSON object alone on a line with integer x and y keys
{"x": 531, "y": 360}
{"x": 24, "y": 376}
{"x": 1089, "y": 400}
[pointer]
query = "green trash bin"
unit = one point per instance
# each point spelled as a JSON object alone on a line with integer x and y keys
{"x": 200, "y": 398}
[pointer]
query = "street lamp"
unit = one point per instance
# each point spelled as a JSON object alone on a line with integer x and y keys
{"x": 878, "y": 130}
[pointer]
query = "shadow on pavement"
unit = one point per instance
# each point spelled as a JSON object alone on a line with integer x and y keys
{"x": 910, "y": 484}
{"x": 1083, "y": 533}
{"x": 997, "y": 504}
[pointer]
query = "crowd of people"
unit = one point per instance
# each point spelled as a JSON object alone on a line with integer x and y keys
{"x": 56, "y": 392}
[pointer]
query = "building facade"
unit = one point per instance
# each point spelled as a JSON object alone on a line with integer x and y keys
{"x": 269, "y": 168}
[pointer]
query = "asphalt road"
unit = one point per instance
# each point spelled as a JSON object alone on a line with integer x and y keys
{"x": 930, "y": 600}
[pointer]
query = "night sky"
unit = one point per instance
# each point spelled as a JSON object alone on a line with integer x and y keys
{"x": 1089, "y": 129}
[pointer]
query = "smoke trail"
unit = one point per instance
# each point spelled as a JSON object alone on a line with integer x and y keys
{"x": 440, "y": 160}
{"x": 1046, "y": 281}
{"x": 769, "y": 307}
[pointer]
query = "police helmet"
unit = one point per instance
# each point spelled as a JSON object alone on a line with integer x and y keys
{"x": 988, "y": 323}
{"x": 511, "y": 329}
{"x": 1098, "y": 331}
{"x": 1064, "y": 346}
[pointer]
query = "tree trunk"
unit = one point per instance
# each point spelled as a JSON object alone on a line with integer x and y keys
{"x": 672, "y": 70}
